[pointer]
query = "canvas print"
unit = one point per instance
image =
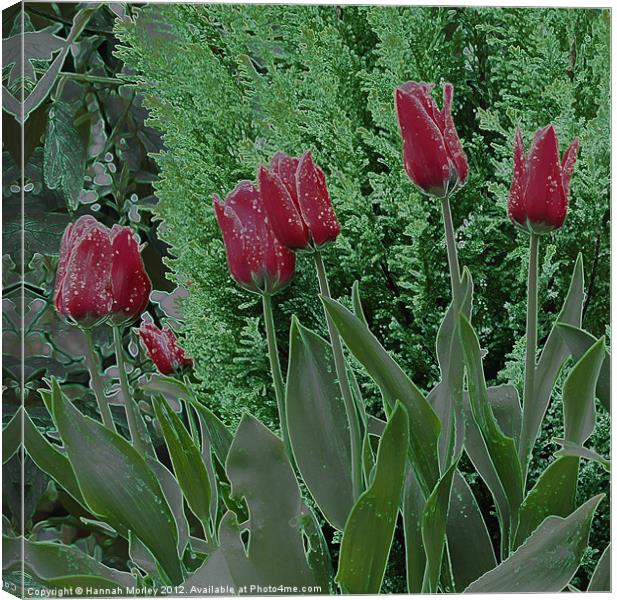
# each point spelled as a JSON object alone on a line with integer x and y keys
{"x": 305, "y": 299}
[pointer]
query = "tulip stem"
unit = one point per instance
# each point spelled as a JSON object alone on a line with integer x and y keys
{"x": 93, "y": 363}
{"x": 530, "y": 349}
{"x": 341, "y": 372}
{"x": 129, "y": 404}
{"x": 275, "y": 367}
{"x": 455, "y": 270}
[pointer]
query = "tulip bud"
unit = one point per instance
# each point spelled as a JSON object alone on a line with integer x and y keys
{"x": 100, "y": 274}
{"x": 538, "y": 199}
{"x": 256, "y": 259}
{"x": 433, "y": 155}
{"x": 162, "y": 347}
{"x": 297, "y": 202}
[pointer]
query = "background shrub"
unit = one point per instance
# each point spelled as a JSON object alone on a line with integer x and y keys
{"x": 229, "y": 85}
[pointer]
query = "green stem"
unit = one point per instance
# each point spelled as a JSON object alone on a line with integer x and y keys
{"x": 530, "y": 350}
{"x": 341, "y": 372}
{"x": 129, "y": 404}
{"x": 275, "y": 367}
{"x": 453, "y": 265}
{"x": 93, "y": 364}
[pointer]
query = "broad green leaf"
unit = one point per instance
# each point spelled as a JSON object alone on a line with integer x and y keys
{"x": 11, "y": 436}
{"x": 555, "y": 491}
{"x": 424, "y": 425}
{"x": 579, "y": 341}
{"x": 601, "y": 578}
{"x": 50, "y": 460}
{"x": 62, "y": 566}
{"x": 507, "y": 408}
{"x": 469, "y": 543}
{"x": 447, "y": 397}
{"x": 501, "y": 448}
{"x": 572, "y": 449}
{"x": 186, "y": 459}
{"x": 206, "y": 454}
{"x": 434, "y": 521}
{"x": 579, "y": 391}
{"x": 117, "y": 484}
{"x": 553, "y": 355}
{"x": 171, "y": 388}
{"x": 357, "y": 302}
{"x": 317, "y": 424}
{"x": 553, "y": 494}
{"x": 415, "y": 556}
{"x": 547, "y": 560}
{"x": 64, "y": 160}
{"x": 368, "y": 459}
{"x": 218, "y": 435}
{"x": 370, "y": 527}
{"x": 260, "y": 473}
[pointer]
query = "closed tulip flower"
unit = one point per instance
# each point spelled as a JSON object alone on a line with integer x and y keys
{"x": 162, "y": 347}
{"x": 538, "y": 199}
{"x": 432, "y": 152}
{"x": 296, "y": 198}
{"x": 256, "y": 259}
{"x": 100, "y": 274}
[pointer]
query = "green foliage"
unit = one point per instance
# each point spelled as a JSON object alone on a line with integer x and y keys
{"x": 229, "y": 85}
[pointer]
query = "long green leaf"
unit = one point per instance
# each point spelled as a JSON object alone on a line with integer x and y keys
{"x": 578, "y": 342}
{"x": 579, "y": 391}
{"x": 117, "y": 484}
{"x": 63, "y": 566}
{"x": 469, "y": 543}
{"x": 553, "y": 355}
{"x": 370, "y": 527}
{"x": 552, "y": 494}
{"x": 547, "y": 560}
{"x": 424, "y": 425}
{"x": 186, "y": 459}
{"x": 218, "y": 435}
{"x": 501, "y": 448}
{"x": 434, "y": 522}
{"x": 415, "y": 556}
{"x": 571, "y": 449}
{"x": 447, "y": 397}
{"x": 11, "y": 436}
{"x": 50, "y": 460}
{"x": 317, "y": 424}
{"x": 601, "y": 578}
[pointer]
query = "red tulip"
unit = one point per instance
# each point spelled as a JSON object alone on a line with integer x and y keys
{"x": 256, "y": 259}
{"x": 433, "y": 155}
{"x": 162, "y": 347}
{"x": 100, "y": 274}
{"x": 297, "y": 202}
{"x": 538, "y": 200}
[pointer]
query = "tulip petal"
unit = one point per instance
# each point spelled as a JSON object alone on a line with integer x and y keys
{"x": 231, "y": 227}
{"x": 86, "y": 285}
{"x": 285, "y": 167}
{"x": 545, "y": 197}
{"x": 567, "y": 165}
{"x": 315, "y": 204}
{"x": 424, "y": 150}
{"x": 130, "y": 284}
{"x": 283, "y": 214}
{"x": 516, "y": 198}
{"x": 450, "y": 136}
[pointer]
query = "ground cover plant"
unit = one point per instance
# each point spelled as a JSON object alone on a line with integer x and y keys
{"x": 391, "y": 299}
